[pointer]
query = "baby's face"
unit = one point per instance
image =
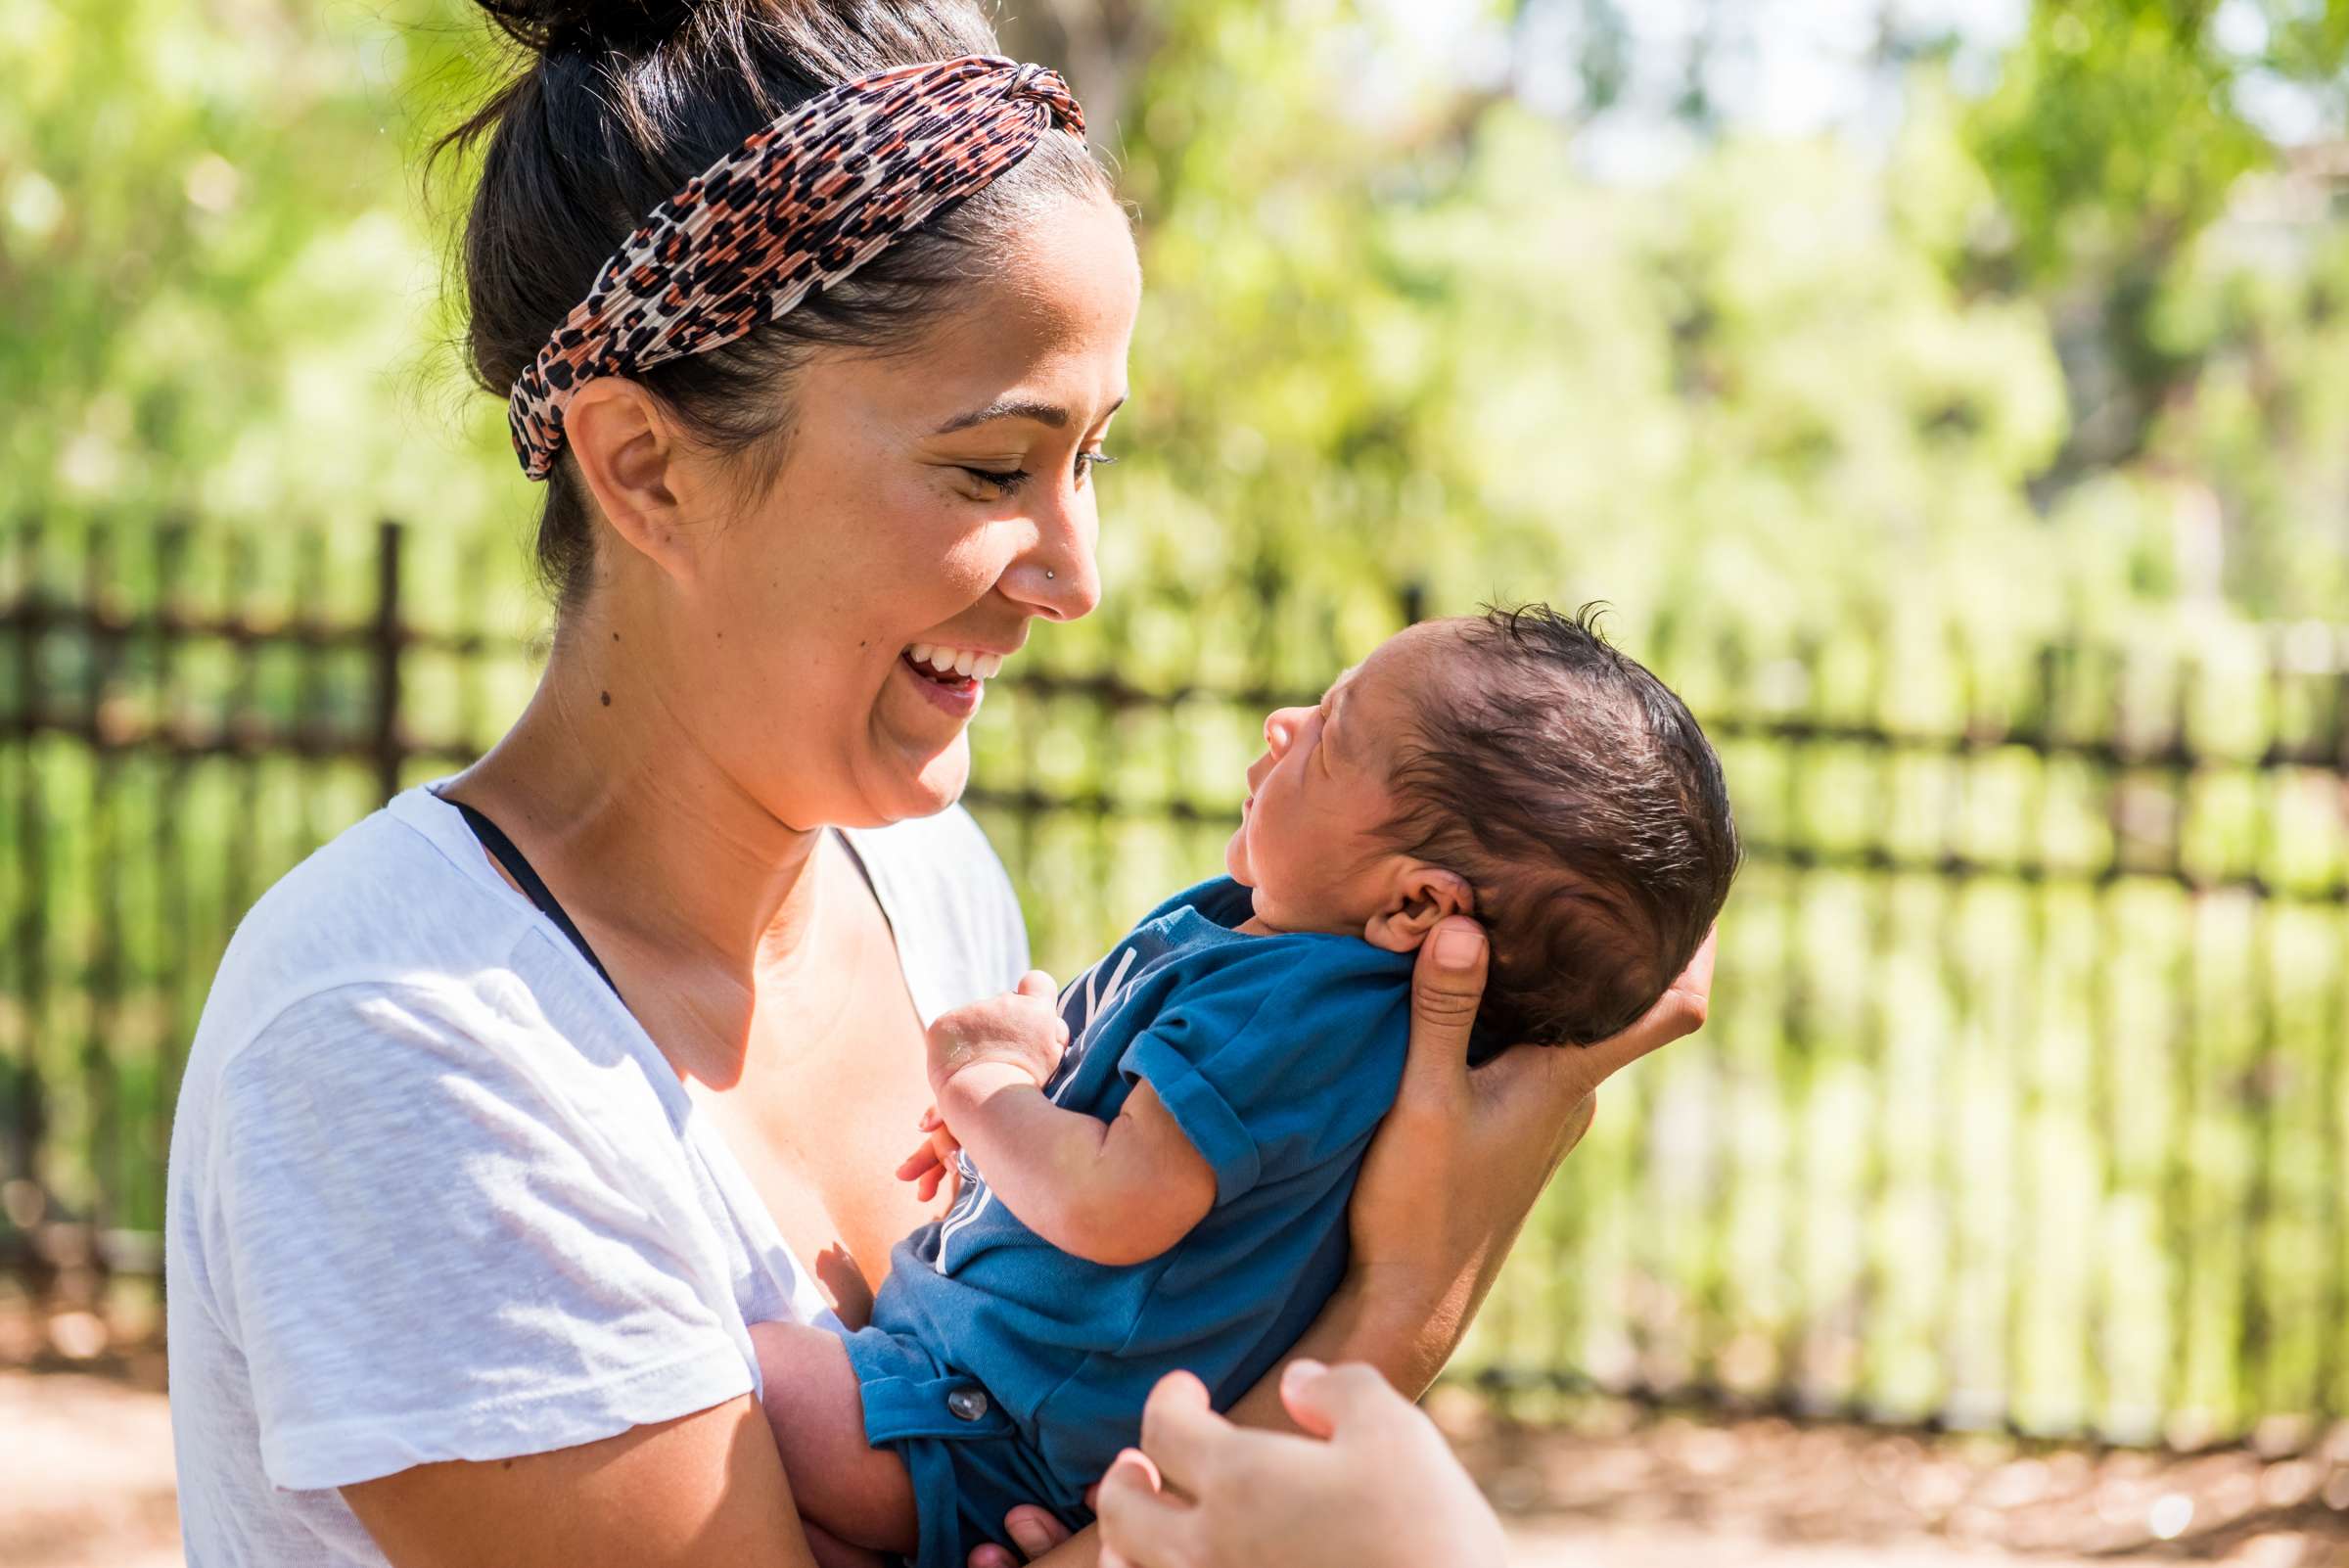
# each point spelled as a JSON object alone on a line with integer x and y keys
{"x": 1306, "y": 841}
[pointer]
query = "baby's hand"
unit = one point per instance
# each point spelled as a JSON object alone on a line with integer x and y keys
{"x": 1019, "y": 1029}
{"x": 934, "y": 1162}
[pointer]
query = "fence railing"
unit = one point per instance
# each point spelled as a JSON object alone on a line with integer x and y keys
{"x": 2023, "y": 1102}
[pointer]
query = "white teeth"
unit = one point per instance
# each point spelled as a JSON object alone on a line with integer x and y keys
{"x": 963, "y": 662}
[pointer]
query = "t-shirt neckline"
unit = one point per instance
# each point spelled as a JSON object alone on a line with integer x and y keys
{"x": 443, "y": 825}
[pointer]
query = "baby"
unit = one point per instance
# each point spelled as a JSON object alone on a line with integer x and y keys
{"x": 1154, "y": 1172}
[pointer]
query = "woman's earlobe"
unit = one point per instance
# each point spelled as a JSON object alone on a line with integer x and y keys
{"x": 625, "y": 459}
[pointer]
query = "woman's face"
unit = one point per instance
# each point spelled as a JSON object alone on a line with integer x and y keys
{"x": 937, "y": 500}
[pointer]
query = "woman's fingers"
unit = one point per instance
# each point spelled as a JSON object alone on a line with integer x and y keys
{"x": 1035, "y": 982}
{"x": 1545, "y": 1086}
{"x": 1181, "y": 1433}
{"x": 1141, "y": 1527}
{"x": 1447, "y": 984}
{"x": 1034, "y": 1531}
{"x": 1321, "y": 1398}
{"x": 1680, "y": 1011}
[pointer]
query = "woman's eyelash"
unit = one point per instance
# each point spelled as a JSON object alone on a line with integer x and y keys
{"x": 1009, "y": 480}
{"x": 1005, "y": 480}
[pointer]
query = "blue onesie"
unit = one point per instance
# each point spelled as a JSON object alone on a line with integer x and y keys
{"x": 1003, "y": 1371}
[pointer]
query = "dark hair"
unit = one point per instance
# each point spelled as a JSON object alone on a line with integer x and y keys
{"x": 625, "y": 102}
{"x": 1584, "y": 806}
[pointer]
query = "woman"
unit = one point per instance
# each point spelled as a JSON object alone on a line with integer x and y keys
{"x": 515, "y": 1104}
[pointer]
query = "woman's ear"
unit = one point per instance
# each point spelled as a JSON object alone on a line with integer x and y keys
{"x": 627, "y": 452}
{"x": 1422, "y": 894}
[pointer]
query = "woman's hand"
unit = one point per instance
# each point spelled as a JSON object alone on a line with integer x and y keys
{"x": 1383, "y": 1491}
{"x": 1460, "y": 1161}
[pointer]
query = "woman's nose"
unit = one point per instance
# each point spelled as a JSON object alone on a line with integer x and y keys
{"x": 1058, "y": 575}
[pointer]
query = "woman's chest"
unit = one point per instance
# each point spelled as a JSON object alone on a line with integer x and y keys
{"x": 837, "y": 1081}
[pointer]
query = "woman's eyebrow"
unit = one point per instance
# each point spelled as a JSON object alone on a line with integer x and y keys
{"x": 1042, "y": 413}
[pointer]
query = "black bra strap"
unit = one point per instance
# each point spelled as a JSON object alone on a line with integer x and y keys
{"x": 494, "y": 840}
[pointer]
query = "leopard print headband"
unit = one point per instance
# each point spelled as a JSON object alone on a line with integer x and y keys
{"x": 799, "y": 205}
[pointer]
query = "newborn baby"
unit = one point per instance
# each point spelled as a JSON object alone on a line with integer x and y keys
{"x": 1154, "y": 1174}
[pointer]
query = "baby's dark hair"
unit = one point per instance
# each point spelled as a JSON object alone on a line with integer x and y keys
{"x": 1585, "y": 808}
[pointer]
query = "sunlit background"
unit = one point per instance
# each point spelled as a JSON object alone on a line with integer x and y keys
{"x": 1950, "y": 398}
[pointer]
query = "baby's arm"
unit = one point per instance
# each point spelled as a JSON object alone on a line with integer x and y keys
{"x": 860, "y": 1494}
{"x": 1110, "y": 1192}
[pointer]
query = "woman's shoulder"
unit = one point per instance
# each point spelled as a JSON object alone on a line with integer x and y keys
{"x": 388, "y": 899}
{"x": 950, "y": 901}
{"x": 944, "y": 857}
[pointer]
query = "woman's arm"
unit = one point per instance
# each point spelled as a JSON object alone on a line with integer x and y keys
{"x": 703, "y": 1491}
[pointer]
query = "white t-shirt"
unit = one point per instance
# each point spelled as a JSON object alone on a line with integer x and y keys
{"x": 436, "y": 1195}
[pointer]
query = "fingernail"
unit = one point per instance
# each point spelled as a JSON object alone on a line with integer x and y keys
{"x": 1032, "y": 1538}
{"x": 1458, "y": 947}
{"x": 1302, "y": 1368}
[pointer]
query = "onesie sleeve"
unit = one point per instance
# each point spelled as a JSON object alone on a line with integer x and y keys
{"x": 1272, "y": 1065}
{"x": 443, "y": 1236}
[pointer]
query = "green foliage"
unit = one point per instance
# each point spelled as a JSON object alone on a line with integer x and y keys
{"x": 2113, "y": 129}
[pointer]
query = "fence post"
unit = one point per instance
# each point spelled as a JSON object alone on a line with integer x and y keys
{"x": 1412, "y": 602}
{"x": 388, "y": 740}
{"x": 24, "y": 1201}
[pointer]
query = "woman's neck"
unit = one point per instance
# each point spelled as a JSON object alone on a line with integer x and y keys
{"x": 669, "y": 868}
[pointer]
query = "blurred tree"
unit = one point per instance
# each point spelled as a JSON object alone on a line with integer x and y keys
{"x": 2121, "y": 133}
{"x": 212, "y": 290}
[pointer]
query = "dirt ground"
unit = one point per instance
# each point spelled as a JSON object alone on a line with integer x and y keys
{"x": 87, "y": 1482}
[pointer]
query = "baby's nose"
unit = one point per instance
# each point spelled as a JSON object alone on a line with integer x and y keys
{"x": 1280, "y": 729}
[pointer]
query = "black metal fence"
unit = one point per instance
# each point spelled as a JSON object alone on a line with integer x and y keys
{"x": 2023, "y": 1103}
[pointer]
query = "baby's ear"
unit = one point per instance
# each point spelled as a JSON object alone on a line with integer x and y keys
{"x": 1422, "y": 894}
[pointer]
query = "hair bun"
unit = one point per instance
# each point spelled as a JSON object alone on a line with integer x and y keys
{"x": 549, "y": 25}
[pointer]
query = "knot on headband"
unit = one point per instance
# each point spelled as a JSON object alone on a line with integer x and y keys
{"x": 804, "y": 202}
{"x": 1042, "y": 85}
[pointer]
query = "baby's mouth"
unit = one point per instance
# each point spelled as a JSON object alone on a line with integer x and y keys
{"x": 955, "y": 669}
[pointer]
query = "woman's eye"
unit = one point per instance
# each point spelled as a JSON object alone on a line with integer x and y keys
{"x": 1086, "y": 462}
{"x": 1004, "y": 480}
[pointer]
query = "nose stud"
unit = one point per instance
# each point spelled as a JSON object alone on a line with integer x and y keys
{"x": 1048, "y": 574}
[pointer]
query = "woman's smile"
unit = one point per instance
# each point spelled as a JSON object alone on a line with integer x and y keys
{"x": 952, "y": 678}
